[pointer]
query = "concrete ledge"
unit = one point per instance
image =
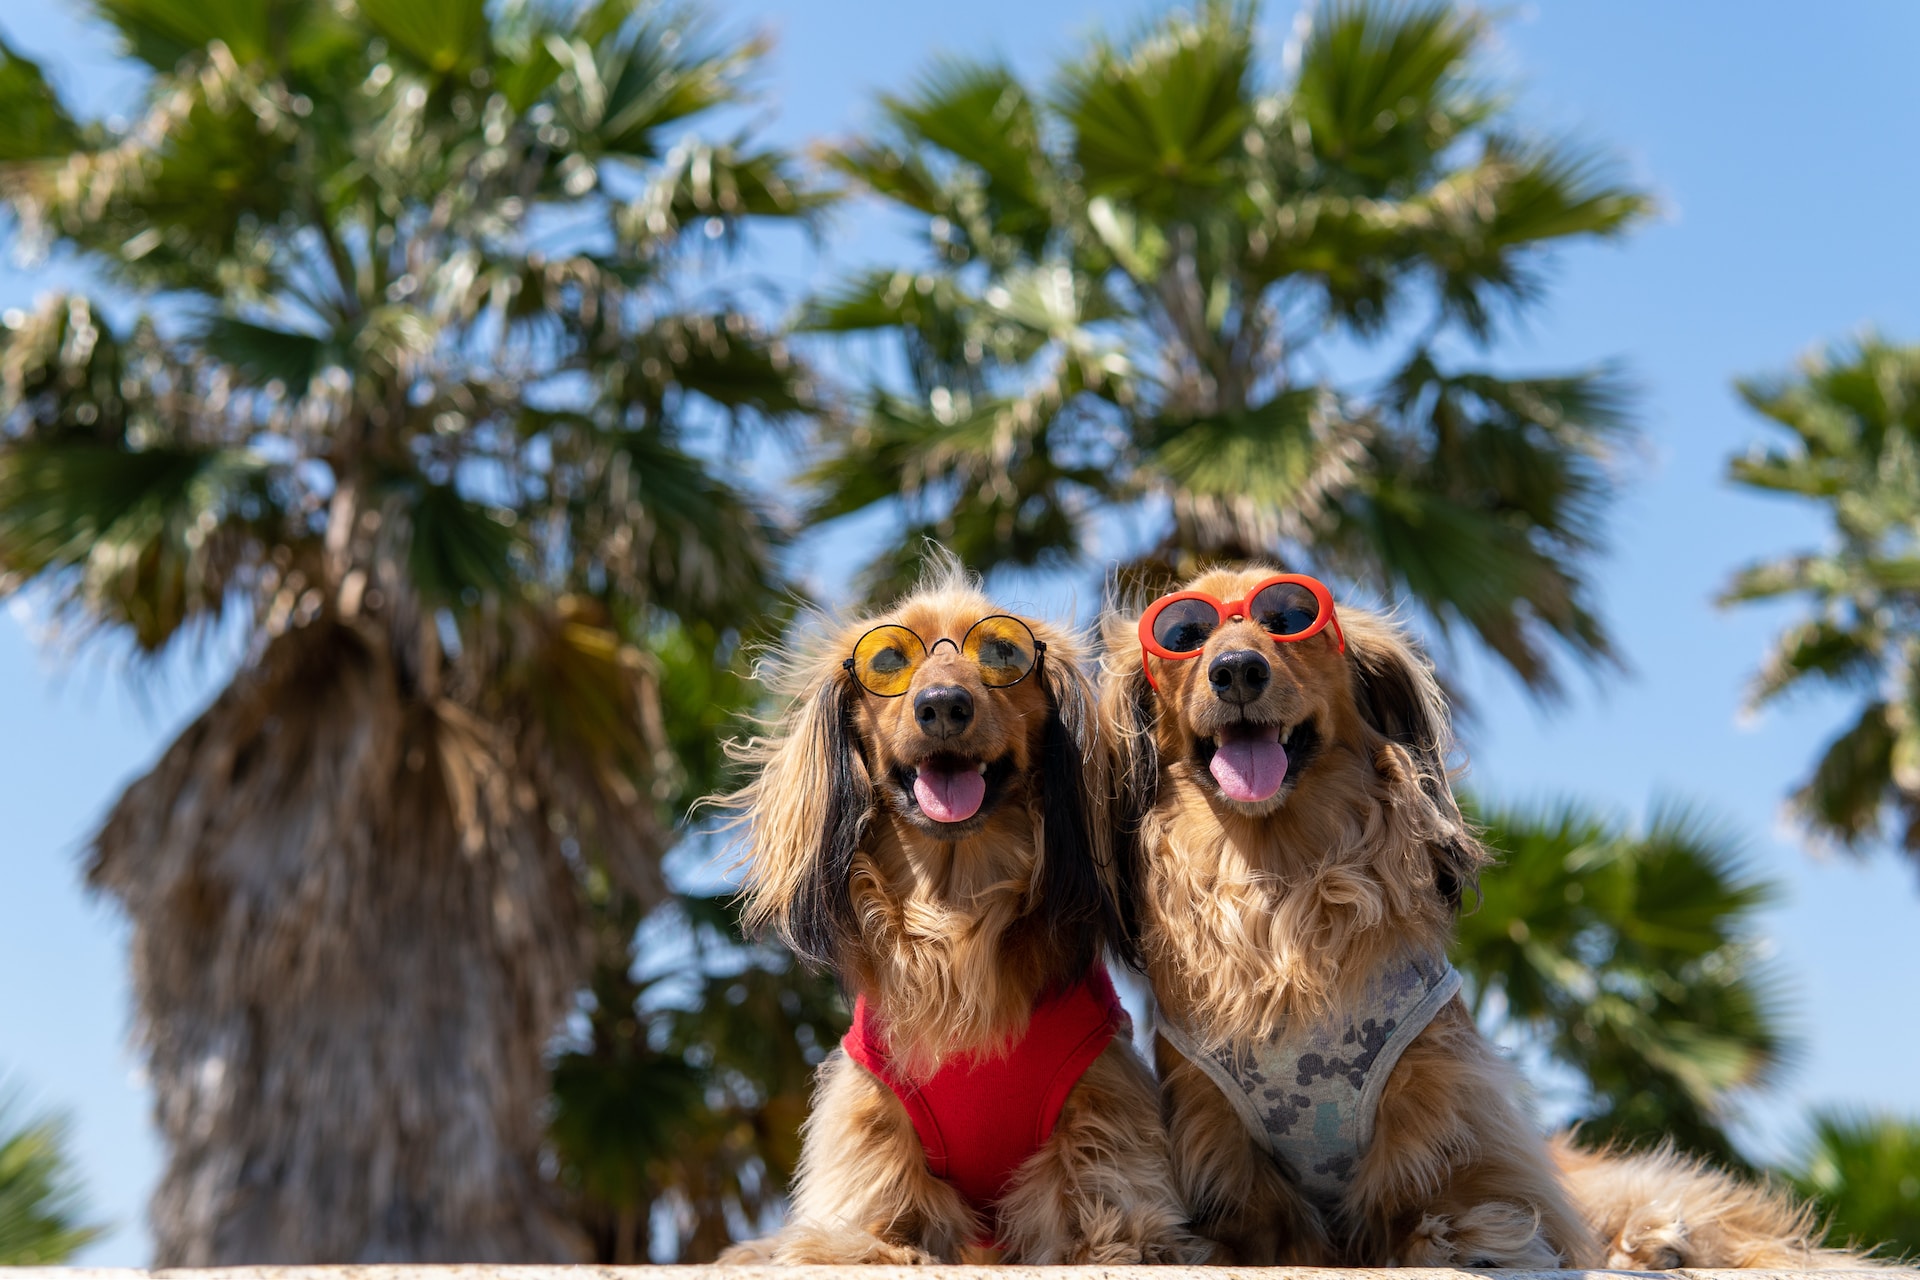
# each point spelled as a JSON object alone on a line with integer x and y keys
{"x": 481, "y": 1272}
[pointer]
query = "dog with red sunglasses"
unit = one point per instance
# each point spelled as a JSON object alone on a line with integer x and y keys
{"x": 926, "y": 820}
{"x": 1301, "y": 861}
{"x": 1329, "y": 1099}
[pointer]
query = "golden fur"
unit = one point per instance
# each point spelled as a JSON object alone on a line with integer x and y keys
{"x": 1254, "y": 913}
{"x": 951, "y": 940}
{"x": 1251, "y": 914}
{"x": 1660, "y": 1209}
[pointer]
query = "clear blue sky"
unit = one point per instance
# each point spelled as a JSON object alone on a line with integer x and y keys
{"x": 1780, "y": 138}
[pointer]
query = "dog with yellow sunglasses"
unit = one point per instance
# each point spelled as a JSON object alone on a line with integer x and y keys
{"x": 926, "y": 820}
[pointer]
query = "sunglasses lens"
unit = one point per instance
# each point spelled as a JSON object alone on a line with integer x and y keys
{"x": 1004, "y": 649}
{"x": 885, "y": 659}
{"x": 1184, "y": 625}
{"x": 1285, "y": 609}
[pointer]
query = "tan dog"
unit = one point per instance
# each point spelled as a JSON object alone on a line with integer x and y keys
{"x": 923, "y": 821}
{"x": 1302, "y": 860}
{"x": 1299, "y": 846}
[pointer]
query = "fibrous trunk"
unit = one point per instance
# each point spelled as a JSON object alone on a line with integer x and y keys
{"x": 354, "y": 934}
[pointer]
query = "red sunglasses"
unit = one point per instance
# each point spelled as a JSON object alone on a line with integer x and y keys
{"x": 1287, "y": 606}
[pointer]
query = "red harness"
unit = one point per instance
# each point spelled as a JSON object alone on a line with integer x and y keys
{"x": 979, "y": 1118}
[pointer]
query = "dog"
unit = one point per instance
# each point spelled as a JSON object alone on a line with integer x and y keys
{"x": 925, "y": 819}
{"x": 1328, "y": 1097}
{"x": 1302, "y": 861}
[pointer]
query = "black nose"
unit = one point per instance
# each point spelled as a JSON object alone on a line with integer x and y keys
{"x": 943, "y": 710}
{"x": 1239, "y": 675}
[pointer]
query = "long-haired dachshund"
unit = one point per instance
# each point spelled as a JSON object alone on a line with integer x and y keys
{"x": 923, "y": 821}
{"x": 1329, "y": 1099}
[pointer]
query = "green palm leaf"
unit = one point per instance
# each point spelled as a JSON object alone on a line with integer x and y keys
{"x": 42, "y": 1208}
{"x": 1630, "y": 957}
{"x": 980, "y": 115}
{"x": 1852, "y": 425}
{"x": 1383, "y": 89}
{"x": 162, "y": 32}
{"x": 1166, "y": 114}
{"x": 446, "y": 36}
{"x": 1864, "y": 1171}
{"x": 38, "y": 126}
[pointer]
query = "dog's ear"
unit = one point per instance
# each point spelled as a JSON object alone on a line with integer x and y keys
{"x": 1083, "y": 888}
{"x": 1396, "y": 693}
{"x": 805, "y": 812}
{"x": 1129, "y": 714}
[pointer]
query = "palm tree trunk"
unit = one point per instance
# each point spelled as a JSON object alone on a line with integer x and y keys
{"x": 353, "y": 937}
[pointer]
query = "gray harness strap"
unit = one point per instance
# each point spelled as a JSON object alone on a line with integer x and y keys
{"x": 1309, "y": 1094}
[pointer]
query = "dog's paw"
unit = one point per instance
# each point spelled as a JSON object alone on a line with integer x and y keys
{"x": 1495, "y": 1234}
{"x": 1107, "y": 1253}
{"x": 1653, "y": 1239}
{"x": 748, "y": 1253}
{"x": 1429, "y": 1244}
{"x": 826, "y": 1247}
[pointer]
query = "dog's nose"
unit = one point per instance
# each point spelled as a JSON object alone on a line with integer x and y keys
{"x": 1239, "y": 675}
{"x": 943, "y": 710}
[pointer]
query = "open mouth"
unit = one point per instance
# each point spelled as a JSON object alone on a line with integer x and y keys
{"x": 1251, "y": 762}
{"x": 953, "y": 790}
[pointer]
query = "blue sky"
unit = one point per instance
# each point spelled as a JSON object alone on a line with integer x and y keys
{"x": 1779, "y": 138}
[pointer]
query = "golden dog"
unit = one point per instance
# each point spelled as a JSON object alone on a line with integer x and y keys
{"x": 924, "y": 821}
{"x": 1302, "y": 861}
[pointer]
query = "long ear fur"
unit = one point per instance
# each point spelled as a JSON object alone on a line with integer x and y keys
{"x": 1081, "y": 890}
{"x": 1396, "y": 693}
{"x": 1127, "y": 712}
{"x": 804, "y": 814}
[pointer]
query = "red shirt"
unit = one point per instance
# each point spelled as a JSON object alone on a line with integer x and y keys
{"x": 980, "y": 1117}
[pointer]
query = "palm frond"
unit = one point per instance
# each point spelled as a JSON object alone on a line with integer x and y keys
{"x": 1630, "y": 957}
{"x": 163, "y": 32}
{"x": 1384, "y": 89}
{"x": 1163, "y": 116}
{"x": 446, "y": 37}
{"x": 1864, "y": 1172}
{"x": 38, "y": 125}
{"x": 148, "y": 539}
{"x": 42, "y": 1206}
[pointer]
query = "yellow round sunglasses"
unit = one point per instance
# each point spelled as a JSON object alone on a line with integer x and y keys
{"x": 1003, "y": 647}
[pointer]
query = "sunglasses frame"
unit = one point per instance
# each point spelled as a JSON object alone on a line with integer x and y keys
{"x": 926, "y": 650}
{"x": 1237, "y": 609}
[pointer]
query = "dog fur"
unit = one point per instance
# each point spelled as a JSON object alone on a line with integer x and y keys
{"x": 951, "y": 939}
{"x": 1657, "y": 1210}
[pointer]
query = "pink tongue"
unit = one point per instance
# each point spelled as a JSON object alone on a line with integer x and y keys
{"x": 1249, "y": 770}
{"x": 951, "y": 797}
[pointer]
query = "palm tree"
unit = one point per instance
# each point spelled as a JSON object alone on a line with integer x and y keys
{"x": 1132, "y": 286}
{"x": 402, "y": 385}
{"x": 41, "y": 1204}
{"x": 1864, "y": 1171}
{"x": 1852, "y": 418}
{"x": 1630, "y": 958}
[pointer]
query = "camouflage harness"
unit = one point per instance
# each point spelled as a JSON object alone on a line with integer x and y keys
{"x": 1308, "y": 1095}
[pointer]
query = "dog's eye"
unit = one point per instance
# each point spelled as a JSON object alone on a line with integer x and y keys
{"x": 1188, "y": 635}
{"x": 1004, "y": 649}
{"x": 1285, "y": 610}
{"x": 887, "y": 661}
{"x": 1184, "y": 625}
